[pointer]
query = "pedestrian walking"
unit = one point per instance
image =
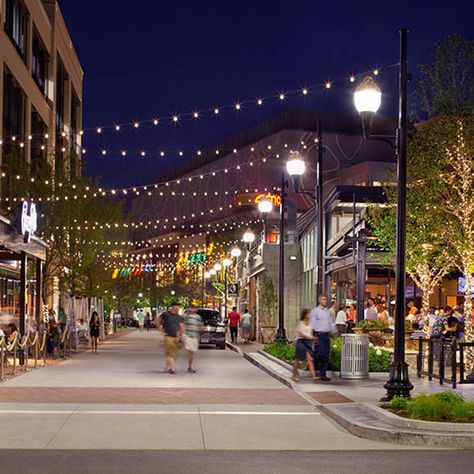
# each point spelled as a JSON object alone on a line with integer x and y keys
{"x": 94, "y": 331}
{"x": 193, "y": 328}
{"x": 171, "y": 324}
{"x": 323, "y": 324}
{"x": 234, "y": 319}
{"x": 304, "y": 345}
{"x": 246, "y": 321}
{"x": 141, "y": 319}
{"x": 148, "y": 320}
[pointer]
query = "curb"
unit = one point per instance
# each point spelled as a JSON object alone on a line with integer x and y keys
{"x": 396, "y": 434}
{"x": 234, "y": 348}
{"x": 248, "y": 356}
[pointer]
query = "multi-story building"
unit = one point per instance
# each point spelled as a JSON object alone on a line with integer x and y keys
{"x": 41, "y": 85}
{"x": 41, "y": 119}
{"x": 216, "y": 195}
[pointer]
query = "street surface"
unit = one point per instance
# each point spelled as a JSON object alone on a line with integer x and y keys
{"x": 123, "y": 406}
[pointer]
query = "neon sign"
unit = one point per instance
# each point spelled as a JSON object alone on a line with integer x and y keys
{"x": 28, "y": 220}
{"x": 274, "y": 198}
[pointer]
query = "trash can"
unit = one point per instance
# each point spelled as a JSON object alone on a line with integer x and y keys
{"x": 355, "y": 356}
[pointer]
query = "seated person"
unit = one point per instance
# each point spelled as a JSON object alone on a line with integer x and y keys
{"x": 12, "y": 333}
{"x": 417, "y": 332}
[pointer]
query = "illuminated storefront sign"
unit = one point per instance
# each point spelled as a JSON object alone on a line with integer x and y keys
{"x": 251, "y": 199}
{"x": 28, "y": 220}
{"x": 274, "y": 198}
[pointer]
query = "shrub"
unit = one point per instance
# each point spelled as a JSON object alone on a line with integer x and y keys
{"x": 379, "y": 359}
{"x": 443, "y": 406}
{"x": 399, "y": 403}
{"x": 426, "y": 407}
{"x": 282, "y": 351}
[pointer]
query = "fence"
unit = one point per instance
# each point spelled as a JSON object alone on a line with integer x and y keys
{"x": 16, "y": 354}
{"x": 443, "y": 359}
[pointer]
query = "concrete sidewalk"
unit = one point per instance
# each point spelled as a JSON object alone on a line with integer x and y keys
{"x": 122, "y": 399}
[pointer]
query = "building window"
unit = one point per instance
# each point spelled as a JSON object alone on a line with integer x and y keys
{"x": 13, "y": 112}
{"x": 38, "y": 155}
{"x": 14, "y": 22}
{"x": 39, "y": 64}
{"x": 75, "y": 143}
{"x": 61, "y": 78}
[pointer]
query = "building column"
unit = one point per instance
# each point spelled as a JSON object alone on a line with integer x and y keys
{"x": 22, "y": 296}
{"x": 39, "y": 292}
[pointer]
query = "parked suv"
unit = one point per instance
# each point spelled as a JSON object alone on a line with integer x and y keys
{"x": 213, "y": 328}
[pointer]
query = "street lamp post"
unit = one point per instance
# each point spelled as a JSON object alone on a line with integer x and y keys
{"x": 226, "y": 262}
{"x": 265, "y": 206}
{"x": 367, "y": 99}
{"x": 296, "y": 167}
{"x": 281, "y": 332}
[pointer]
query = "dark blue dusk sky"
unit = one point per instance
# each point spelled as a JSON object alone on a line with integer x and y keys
{"x": 143, "y": 58}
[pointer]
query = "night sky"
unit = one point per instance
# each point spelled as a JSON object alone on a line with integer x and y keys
{"x": 147, "y": 58}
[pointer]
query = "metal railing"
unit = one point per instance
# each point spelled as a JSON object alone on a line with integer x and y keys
{"x": 443, "y": 359}
{"x": 16, "y": 354}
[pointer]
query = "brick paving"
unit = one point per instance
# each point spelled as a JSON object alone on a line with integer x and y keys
{"x": 148, "y": 396}
{"x": 329, "y": 396}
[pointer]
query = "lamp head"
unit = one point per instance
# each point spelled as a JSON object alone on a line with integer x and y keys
{"x": 236, "y": 252}
{"x": 295, "y": 165}
{"x": 367, "y": 96}
{"x": 207, "y": 275}
{"x": 227, "y": 262}
{"x": 248, "y": 237}
{"x": 265, "y": 205}
{"x": 217, "y": 267}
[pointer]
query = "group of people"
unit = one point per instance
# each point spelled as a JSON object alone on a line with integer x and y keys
{"x": 144, "y": 320}
{"x": 244, "y": 321}
{"x": 313, "y": 335}
{"x": 177, "y": 329}
{"x": 444, "y": 322}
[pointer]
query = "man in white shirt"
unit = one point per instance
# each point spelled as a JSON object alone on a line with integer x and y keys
{"x": 322, "y": 323}
{"x": 341, "y": 320}
{"x": 371, "y": 313}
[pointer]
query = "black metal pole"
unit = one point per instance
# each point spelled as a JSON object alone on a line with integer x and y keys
{"x": 319, "y": 203}
{"x": 225, "y": 292}
{"x": 22, "y": 296}
{"x": 398, "y": 383}
{"x": 281, "y": 333}
{"x": 361, "y": 243}
{"x": 203, "y": 282}
{"x": 38, "y": 295}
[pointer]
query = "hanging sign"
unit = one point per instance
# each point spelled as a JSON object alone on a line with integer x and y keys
{"x": 28, "y": 220}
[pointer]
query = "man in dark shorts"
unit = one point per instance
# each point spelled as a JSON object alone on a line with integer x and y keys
{"x": 171, "y": 324}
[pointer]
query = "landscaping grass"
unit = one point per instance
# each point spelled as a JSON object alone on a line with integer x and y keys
{"x": 443, "y": 406}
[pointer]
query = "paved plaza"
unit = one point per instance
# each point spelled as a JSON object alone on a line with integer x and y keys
{"x": 123, "y": 399}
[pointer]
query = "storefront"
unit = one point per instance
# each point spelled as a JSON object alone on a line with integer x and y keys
{"x": 21, "y": 266}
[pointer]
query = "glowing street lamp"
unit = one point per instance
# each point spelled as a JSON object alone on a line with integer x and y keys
{"x": 265, "y": 206}
{"x": 207, "y": 275}
{"x": 296, "y": 165}
{"x": 217, "y": 267}
{"x": 227, "y": 262}
{"x": 236, "y": 252}
{"x": 368, "y": 96}
{"x": 248, "y": 237}
{"x": 367, "y": 100}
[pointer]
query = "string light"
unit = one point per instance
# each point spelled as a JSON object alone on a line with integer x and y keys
{"x": 259, "y": 102}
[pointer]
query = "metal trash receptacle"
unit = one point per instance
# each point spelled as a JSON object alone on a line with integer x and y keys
{"x": 355, "y": 356}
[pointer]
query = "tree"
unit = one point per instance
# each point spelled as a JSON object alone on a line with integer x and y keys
{"x": 73, "y": 222}
{"x": 446, "y": 85}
